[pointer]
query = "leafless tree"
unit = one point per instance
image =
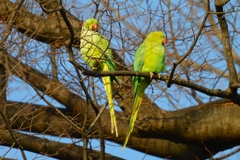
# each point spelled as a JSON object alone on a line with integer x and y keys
{"x": 191, "y": 112}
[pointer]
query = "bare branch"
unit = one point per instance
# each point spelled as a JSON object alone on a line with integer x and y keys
{"x": 51, "y": 148}
{"x": 182, "y": 82}
{"x": 233, "y": 80}
{"x": 191, "y": 48}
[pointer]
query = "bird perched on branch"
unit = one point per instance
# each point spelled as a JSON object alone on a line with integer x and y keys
{"x": 149, "y": 57}
{"x": 97, "y": 53}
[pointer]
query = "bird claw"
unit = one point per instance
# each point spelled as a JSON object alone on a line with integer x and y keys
{"x": 151, "y": 75}
{"x": 99, "y": 60}
{"x": 94, "y": 68}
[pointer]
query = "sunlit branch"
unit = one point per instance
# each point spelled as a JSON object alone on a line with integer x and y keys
{"x": 178, "y": 81}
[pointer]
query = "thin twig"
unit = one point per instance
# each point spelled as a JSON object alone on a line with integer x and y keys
{"x": 3, "y": 109}
{"x": 10, "y": 148}
{"x": 97, "y": 6}
{"x": 70, "y": 52}
{"x": 70, "y": 28}
{"x": 190, "y": 49}
{"x": 54, "y": 64}
{"x": 10, "y": 22}
{"x": 227, "y": 155}
{"x": 57, "y": 110}
{"x": 5, "y": 118}
{"x": 100, "y": 113}
{"x": 72, "y": 60}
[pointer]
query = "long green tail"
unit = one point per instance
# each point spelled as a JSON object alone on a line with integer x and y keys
{"x": 139, "y": 89}
{"x": 108, "y": 88}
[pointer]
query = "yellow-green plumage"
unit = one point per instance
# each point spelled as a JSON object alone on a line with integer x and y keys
{"x": 97, "y": 53}
{"x": 149, "y": 57}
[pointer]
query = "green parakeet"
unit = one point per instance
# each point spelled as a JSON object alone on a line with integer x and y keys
{"x": 149, "y": 57}
{"x": 97, "y": 53}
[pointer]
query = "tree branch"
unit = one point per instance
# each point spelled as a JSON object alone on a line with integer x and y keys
{"x": 193, "y": 131}
{"x": 233, "y": 80}
{"x": 51, "y": 148}
{"x": 178, "y": 81}
{"x": 47, "y": 30}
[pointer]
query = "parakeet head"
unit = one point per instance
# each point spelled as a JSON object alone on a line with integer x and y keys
{"x": 91, "y": 24}
{"x": 157, "y": 36}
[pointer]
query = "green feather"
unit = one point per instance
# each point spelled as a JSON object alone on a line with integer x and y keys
{"x": 97, "y": 53}
{"x": 149, "y": 57}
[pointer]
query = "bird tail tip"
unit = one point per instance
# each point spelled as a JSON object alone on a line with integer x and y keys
{"x": 124, "y": 146}
{"x": 126, "y": 140}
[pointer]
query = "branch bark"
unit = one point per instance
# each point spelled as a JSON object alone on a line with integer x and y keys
{"x": 49, "y": 30}
{"x": 233, "y": 80}
{"x": 178, "y": 81}
{"x": 198, "y": 131}
{"x": 50, "y": 148}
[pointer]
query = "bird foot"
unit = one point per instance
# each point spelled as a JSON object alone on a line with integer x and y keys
{"x": 99, "y": 61}
{"x": 151, "y": 75}
{"x": 94, "y": 68}
{"x": 159, "y": 75}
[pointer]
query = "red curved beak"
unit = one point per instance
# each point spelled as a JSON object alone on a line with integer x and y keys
{"x": 164, "y": 41}
{"x": 95, "y": 27}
